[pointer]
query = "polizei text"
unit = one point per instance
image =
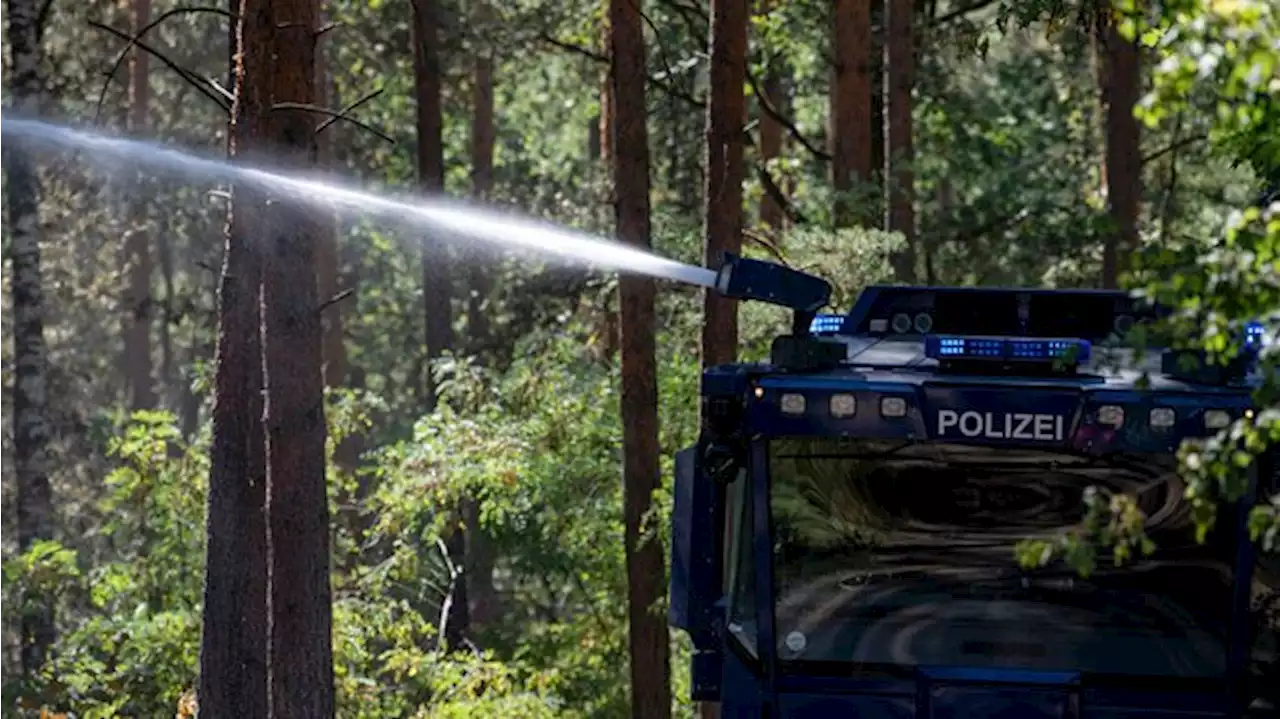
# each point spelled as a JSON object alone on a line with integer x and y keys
{"x": 1002, "y": 425}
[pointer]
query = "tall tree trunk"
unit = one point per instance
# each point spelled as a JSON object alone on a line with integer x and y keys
{"x": 1120, "y": 85}
{"x": 901, "y": 71}
{"x": 299, "y": 649}
{"x": 233, "y": 648}
{"x": 650, "y": 660}
{"x": 435, "y": 264}
{"x": 138, "y": 302}
{"x": 849, "y": 120}
{"x": 726, "y": 112}
{"x": 771, "y": 214}
{"x": 30, "y": 356}
{"x": 479, "y": 550}
{"x": 879, "y": 88}
{"x": 435, "y": 258}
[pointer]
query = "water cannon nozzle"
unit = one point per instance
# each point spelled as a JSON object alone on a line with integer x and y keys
{"x": 747, "y": 279}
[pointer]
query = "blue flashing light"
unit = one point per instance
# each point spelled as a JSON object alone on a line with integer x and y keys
{"x": 826, "y": 324}
{"x": 1006, "y": 349}
{"x": 1254, "y": 334}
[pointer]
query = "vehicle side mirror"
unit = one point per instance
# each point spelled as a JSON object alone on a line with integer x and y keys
{"x": 695, "y": 569}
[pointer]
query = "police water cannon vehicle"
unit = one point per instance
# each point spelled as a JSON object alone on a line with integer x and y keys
{"x": 844, "y": 531}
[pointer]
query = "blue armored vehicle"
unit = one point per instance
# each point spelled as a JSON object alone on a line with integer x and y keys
{"x": 844, "y": 530}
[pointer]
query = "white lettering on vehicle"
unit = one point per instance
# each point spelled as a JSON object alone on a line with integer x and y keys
{"x": 1006, "y": 425}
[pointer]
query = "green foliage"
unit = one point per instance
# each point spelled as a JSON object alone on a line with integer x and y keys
{"x": 1009, "y": 191}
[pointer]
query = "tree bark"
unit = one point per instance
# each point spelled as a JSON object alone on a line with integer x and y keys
{"x": 30, "y": 355}
{"x": 849, "y": 120}
{"x": 1120, "y": 85}
{"x": 649, "y": 651}
{"x": 436, "y": 274}
{"x": 233, "y": 648}
{"x": 299, "y": 650}
{"x": 879, "y": 87}
{"x": 435, "y": 258}
{"x": 479, "y": 550}
{"x": 900, "y": 71}
{"x": 726, "y": 113}
{"x": 771, "y": 213}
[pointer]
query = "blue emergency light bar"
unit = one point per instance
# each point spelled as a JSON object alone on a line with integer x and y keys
{"x": 1006, "y": 349}
{"x": 826, "y": 324}
{"x": 1254, "y": 334}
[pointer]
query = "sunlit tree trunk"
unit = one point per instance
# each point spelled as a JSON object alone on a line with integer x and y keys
{"x": 30, "y": 356}
{"x": 849, "y": 119}
{"x": 299, "y": 650}
{"x": 1120, "y": 86}
{"x": 479, "y": 551}
{"x": 233, "y": 647}
{"x": 649, "y": 651}
{"x": 138, "y": 300}
{"x": 722, "y": 227}
{"x": 900, "y": 71}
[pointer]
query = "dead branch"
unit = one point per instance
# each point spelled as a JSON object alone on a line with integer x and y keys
{"x": 573, "y": 48}
{"x": 199, "y": 83}
{"x": 348, "y": 109}
{"x": 780, "y": 197}
{"x": 1174, "y": 147}
{"x": 766, "y": 104}
{"x": 334, "y": 114}
{"x": 666, "y": 87}
{"x": 136, "y": 38}
{"x": 335, "y": 300}
{"x": 961, "y": 11}
{"x": 768, "y": 243}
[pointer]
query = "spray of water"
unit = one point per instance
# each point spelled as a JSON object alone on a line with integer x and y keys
{"x": 495, "y": 228}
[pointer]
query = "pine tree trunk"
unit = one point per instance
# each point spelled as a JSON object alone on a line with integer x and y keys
{"x": 1120, "y": 84}
{"x": 435, "y": 258}
{"x": 138, "y": 301}
{"x": 771, "y": 214}
{"x": 299, "y": 650}
{"x": 900, "y": 70}
{"x": 726, "y": 112}
{"x": 436, "y": 265}
{"x": 849, "y": 120}
{"x": 233, "y": 648}
{"x": 30, "y": 356}
{"x": 479, "y": 551}
{"x": 649, "y": 651}
{"x": 879, "y": 88}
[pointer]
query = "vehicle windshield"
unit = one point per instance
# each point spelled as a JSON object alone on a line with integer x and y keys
{"x": 903, "y": 554}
